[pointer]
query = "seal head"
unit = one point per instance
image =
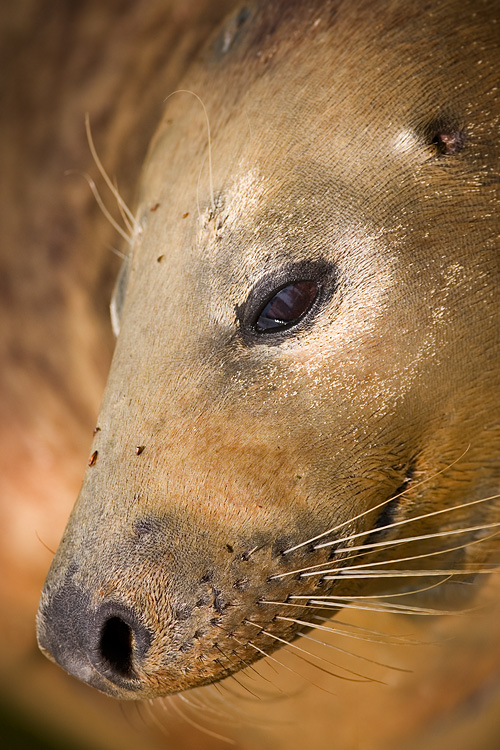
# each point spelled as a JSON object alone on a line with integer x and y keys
{"x": 303, "y": 401}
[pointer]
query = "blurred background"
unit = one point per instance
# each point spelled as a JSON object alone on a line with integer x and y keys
{"x": 118, "y": 60}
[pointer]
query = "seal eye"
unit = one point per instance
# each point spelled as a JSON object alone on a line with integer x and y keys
{"x": 286, "y": 301}
{"x": 287, "y": 306}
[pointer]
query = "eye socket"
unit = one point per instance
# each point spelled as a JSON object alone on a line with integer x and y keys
{"x": 285, "y": 300}
{"x": 287, "y": 306}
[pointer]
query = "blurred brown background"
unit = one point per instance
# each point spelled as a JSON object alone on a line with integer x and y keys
{"x": 118, "y": 60}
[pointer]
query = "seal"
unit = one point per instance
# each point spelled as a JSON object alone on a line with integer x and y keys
{"x": 302, "y": 407}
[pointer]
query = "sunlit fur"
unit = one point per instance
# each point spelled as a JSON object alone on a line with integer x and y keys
{"x": 241, "y": 489}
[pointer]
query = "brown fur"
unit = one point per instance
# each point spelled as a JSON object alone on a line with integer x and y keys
{"x": 253, "y": 446}
{"x": 232, "y": 433}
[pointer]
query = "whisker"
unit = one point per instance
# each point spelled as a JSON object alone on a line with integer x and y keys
{"x": 232, "y": 658}
{"x": 101, "y": 205}
{"x": 209, "y": 139}
{"x": 376, "y": 507}
{"x": 105, "y": 175}
{"x": 446, "y": 574}
{"x": 404, "y": 540}
{"x": 370, "y": 636}
{"x": 380, "y": 607}
{"x": 313, "y": 569}
{"x": 43, "y": 543}
{"x": 128, "y": 224}
{"x": 365, "y": 634}
{"x": 151, "y": 716}
{"x": 378, "y": 597}
{"x": 115, "y": 251}
{"x": 294, "y": 646}
{"x": 289, "y": 669}
{"x": 213, "y": 714}
{"x": 406, "y": 521}
{"x": 200, "y": 727}
{"x": 338, "y": 648}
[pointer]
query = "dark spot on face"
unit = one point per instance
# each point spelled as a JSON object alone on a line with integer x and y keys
{"x": 279, "y": 546}
{"x": 183, "y": 613}
{"x": 96, "y": 430}
{"x": 446, "y": 135}
{"x": 242, "y": 17}
{"x": 229, "y": 548}
{"x": 93, "y": 458}
{"x": 146, "y": 526}
{"x": 242, "y": 584}
{"x": 154, "y": 207}
{"x": 184, "y": 216}
{"x": 204, "y": 601}
{"x": 139, "y": 449}
{"x": 333, "y": 551}
{"x": 160, "y": 258}
{"x": 450, "y": 143}
{"x": 206, "y": 577}
{"x": 219, "y": 603}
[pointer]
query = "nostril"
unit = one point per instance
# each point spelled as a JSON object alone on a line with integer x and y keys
{"x": 116, "y": 646}
{"x": 118, "y": 642}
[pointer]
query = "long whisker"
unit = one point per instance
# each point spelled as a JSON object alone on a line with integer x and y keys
{"x": 335, "y": 647}
{"x": 404, "y": 539}
{"x": 117, "y": 252}
{"x": 101, "y": 205}
{"x": 301, "y": 651}
{"x": 312, "y": 570}
{"x": 364, "y": 634}
{"x": 200, "y": 727}
{"x": 212, "y": 713}
{"x": 379, "y": 607}
{"x": 407, "y": 521}
{"x": 105, "y": 175}
{"x": 379, "y": 597}
{"x": 128, "y": 224}
{"x": 248, "y": 667}
{"x": 269, "y": 657}
{"x": 209, "y": 139}
{"x": 151, "y": 716}
{"x": 376, "y": 507}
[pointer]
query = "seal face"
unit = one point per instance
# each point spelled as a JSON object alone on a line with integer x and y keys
{"x": 303, "y": 402}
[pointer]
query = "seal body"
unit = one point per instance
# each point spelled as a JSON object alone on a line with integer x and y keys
{"x": 303, "y": 401}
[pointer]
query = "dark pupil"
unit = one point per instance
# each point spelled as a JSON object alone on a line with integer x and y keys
{"x": 287, "y": 305}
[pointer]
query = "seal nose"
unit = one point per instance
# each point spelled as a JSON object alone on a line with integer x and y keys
{"x": 100, "y": 645}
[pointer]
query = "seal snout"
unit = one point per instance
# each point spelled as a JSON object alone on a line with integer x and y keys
{"x": 101, "y": 646}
